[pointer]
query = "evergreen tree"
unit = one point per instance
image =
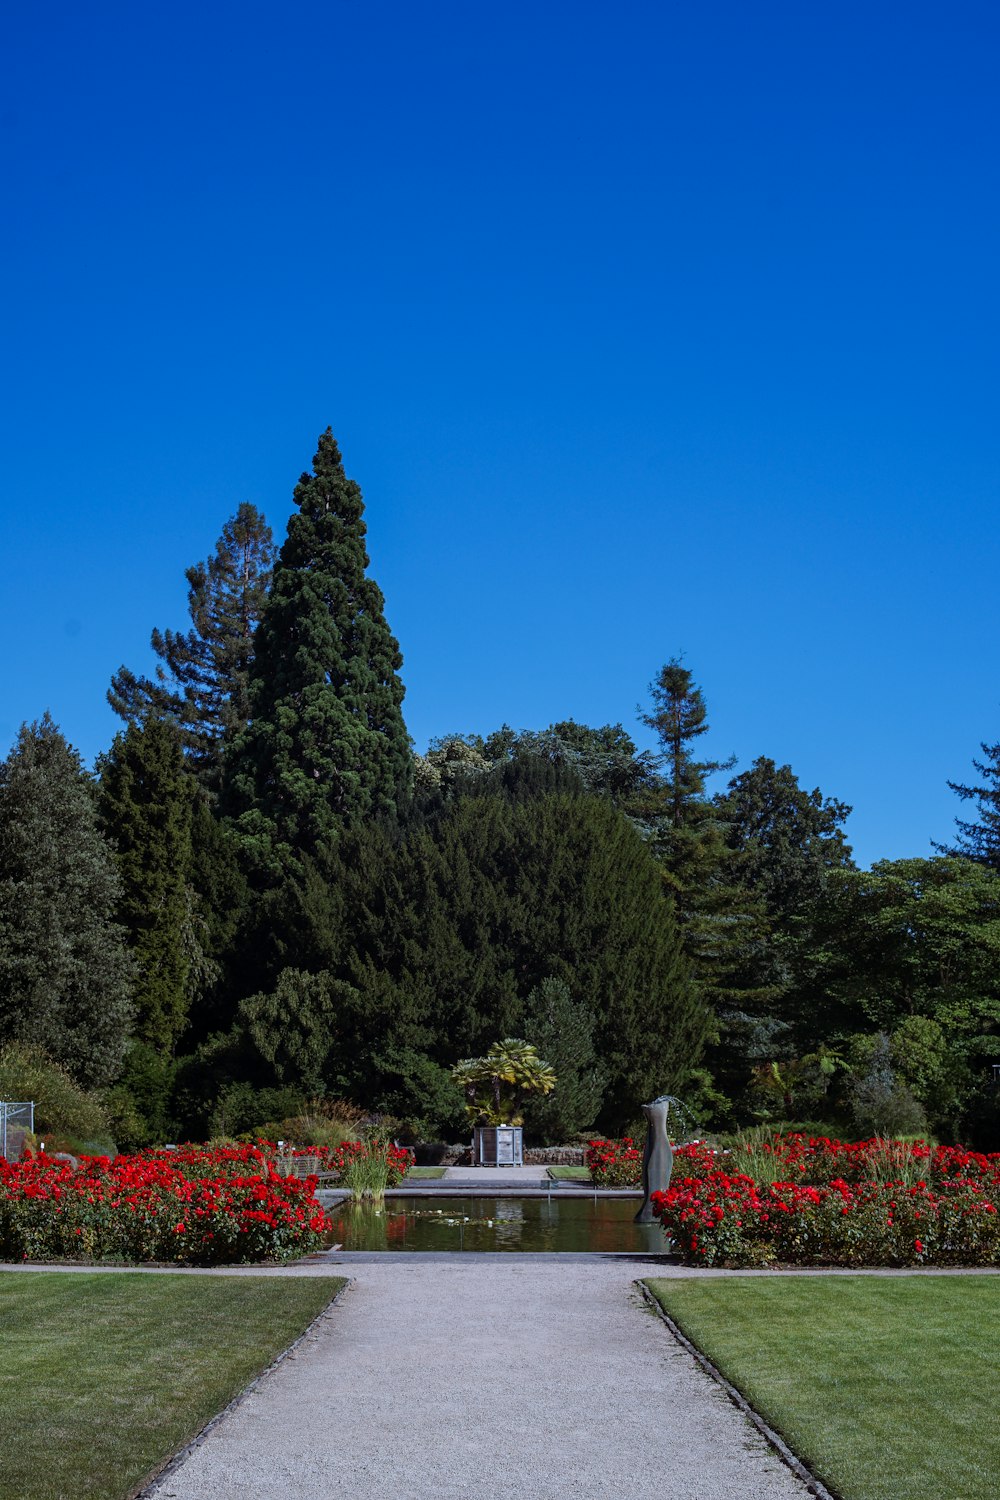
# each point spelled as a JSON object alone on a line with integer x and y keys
{"x": 562, "y": 1030}
{"x": 784, "y": 839}
{"x": 782, "y": 843}
{"x": 65, "y": 973}
{"x": 296, "y": 1027}
{"x": 721, "y": 923}
{"x": 686, "y": 825}
{"x": 146, "y": 800}
{"x": 445, "y": 930}
{"x": 326, "y": 743}
{"x": 980, "y": 840}
{"x": 202, "y": 681}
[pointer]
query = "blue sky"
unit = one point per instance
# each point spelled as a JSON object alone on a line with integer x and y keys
{"x": 667, "y": 330}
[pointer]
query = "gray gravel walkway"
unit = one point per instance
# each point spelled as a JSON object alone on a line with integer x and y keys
{"x": 529, "y": 1379}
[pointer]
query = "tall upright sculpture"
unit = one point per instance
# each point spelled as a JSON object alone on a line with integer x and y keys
{"x": 657, "y": 1157}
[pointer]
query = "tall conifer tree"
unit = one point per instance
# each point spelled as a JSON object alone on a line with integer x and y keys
{"x": 719, "y": 921}
{"x": 202, "y": 681}
{"x": 980, "y": 839}
{"x": 146, "y": 800}
{"x": 65, "y": 973}
{"x": 326, "y": 743}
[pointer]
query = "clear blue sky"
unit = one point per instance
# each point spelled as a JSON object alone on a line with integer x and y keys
{"x": 670, "y": 329}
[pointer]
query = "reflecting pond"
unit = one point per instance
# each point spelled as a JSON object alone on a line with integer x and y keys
{"x": 481, "y": 1223}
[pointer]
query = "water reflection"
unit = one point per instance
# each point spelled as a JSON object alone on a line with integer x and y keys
{"x": 481, "y": 1223}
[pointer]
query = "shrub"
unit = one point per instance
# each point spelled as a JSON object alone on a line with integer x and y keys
{"x": 866, "y": 1203}
{"x": 63, "y": 1110}
{"x": 192, "y": 1207}
{"x": 615, "y": 1163}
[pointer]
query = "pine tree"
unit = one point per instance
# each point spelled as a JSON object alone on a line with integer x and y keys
{"x": 202, "y": 682}
{"x": 146, "y": 799}
{"x": 980, "y": 840}
{"x": 326, "y": 743}
{"x": 687, "y": 829}
{"x": 65, "y": 973}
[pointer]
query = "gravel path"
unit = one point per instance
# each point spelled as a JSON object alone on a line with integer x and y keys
{"x": 528, "y": 1379}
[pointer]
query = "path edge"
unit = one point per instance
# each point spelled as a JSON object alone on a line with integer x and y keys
{"x": 813, "y": 1485}
{"x": 146, "y": 1488}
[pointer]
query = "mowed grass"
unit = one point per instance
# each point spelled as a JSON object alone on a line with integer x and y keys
{"x": 102, "y": 1376}
{"x": 569, "y": 1174}
{"x": 423, "y": 1174}
{"x": 888, "y": 1388}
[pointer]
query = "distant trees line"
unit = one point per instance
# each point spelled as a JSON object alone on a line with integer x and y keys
{"x": 263, "y": 895}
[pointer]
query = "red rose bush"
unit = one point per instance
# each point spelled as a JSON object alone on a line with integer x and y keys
{"x": 823, "y": 1202}
{"x": 193, "y": 1206}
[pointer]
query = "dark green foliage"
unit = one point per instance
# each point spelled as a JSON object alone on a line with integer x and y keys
{"x": 202, "y": 681}
{"x": 143, "y": 1099}
{"x": 688, "y": 830}
{"x": 220, "y": 914}
{"x": 980, "y": 840}
{"x": 782, "y": 841}
{"x": 146, "y": 804}
{"x": 297, "y": 1028}
{"x": 784, "y": 838}
{"x": 445, "y": 930}
{"x": 562, "y": 1030}
{"x": 65, "y": 973}
{"x": 910, "y": 939}
{"x": 722, "y": 923}
{"x": 326, "y": 744}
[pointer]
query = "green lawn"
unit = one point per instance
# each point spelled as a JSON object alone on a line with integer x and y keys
{"x": 423, "y": 1174}
{"x": 888, "y": 1388}
{"x": 102, "y": 1376}
{"x": 569, "y": 1174}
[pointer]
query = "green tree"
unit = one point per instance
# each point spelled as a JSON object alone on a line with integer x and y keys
{"x": 445, "y": 928}
{"x": 297, "y": 1028}
{"x": 782, "y": 842}
{"x": 202, "y": 678}
{"x": 605, "y": 760}
{"x": 908, "y": 939}
{"x": 722, "y": 923}
{"x": 65, "y": 972}
{"x": 980, "y": 839}
{"x": 146, "y": 802}
{"x": 688, "y": 831}
{"x": 784, "y": 838}
{"x": 562, "y": 1028}
{"x": 326, "y": 742}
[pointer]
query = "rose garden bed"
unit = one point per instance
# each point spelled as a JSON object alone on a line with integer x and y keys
{"x": 195, "y": 1205}
{"x": 815, "y": 1201}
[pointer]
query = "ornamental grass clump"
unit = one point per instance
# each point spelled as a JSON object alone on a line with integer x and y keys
{"x": 369, "y": 1167}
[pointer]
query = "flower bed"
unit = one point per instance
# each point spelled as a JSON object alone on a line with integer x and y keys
{"x": 874, "y": 1211}
{"x": 615, "y": 1163}
{"x": 198, "y": 1206}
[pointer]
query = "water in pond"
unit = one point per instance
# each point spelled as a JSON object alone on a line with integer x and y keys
{"x": 445, "y": 1223}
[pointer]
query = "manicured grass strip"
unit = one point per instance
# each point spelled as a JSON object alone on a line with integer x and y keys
{"x": 569, "y": 1174}
{"x": 887, "y": 1388}
{"x": 103, "y": 1376}
{"x": 423, "y": 1174}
